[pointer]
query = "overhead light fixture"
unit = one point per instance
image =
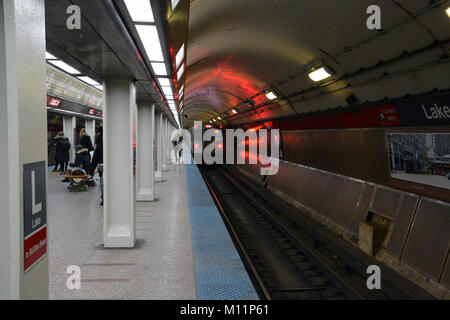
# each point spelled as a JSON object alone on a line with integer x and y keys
{"x": 159, "y": 68}
{"x": 150, "y": 40}
{"x": 89, "y": 81}
{"x": 49, "y": 56}
{"x": 271, "y": 95}
{"x": 180, "y": 72}
{"x": 174, "y": 4}
{"x": 235, "y": 111}
{"x": 448, "y": 11}
{"x": 319, "y": 74}
{"x": 219, "y": 118}
{"x": 164, "y": 82}
{"x": 167, "y": 91}
{"x": 99, "y": 88}
{"x": 180, "y": 56}
{"x": 140, "y": 10}
{"x": 64, "y": 66}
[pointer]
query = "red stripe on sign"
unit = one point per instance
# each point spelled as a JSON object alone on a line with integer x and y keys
{"x": 34, "y": 248}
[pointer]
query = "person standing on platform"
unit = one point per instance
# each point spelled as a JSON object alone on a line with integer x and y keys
{"x": 86, "y": 142}
{"x": 97, "y": 160}
{"x": 62, "y": 151}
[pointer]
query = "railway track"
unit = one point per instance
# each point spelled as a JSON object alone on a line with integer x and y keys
{"x": 283, "y": 261}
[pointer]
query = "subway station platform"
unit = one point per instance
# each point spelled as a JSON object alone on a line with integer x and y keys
{"x": 183, "y": 250}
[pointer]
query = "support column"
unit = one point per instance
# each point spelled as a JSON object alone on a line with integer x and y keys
{"x": 23, "y": 151}
{"x": 170, "y": 143}
{"x": 144, "y": 152}
{"x": 69, "y": 125}
{"x": 159, "y": 149}
{"x": 119, "y": 227}
{"x": 164, "y": 144}
{"x": 90, "y": 129}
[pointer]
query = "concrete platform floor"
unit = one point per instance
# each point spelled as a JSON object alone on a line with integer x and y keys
{"x": 160, "y": 267}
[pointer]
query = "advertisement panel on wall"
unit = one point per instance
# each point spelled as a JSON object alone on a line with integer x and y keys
{"x": 420, "y": 157}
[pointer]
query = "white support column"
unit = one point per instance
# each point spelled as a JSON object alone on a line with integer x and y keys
{"x": 69, "y": 125}
{"x": 90, "y": 130}
{"x": 23, "y": 151}
{"x": 165, "y": 144}
{"x": 159, "y": 149}
{"x": 144, "y": 152}
{"x": 119, "y": 228}
{"x": 170, "y": 143}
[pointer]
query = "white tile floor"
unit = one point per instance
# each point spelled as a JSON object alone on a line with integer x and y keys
{"x": 161, "y": 265}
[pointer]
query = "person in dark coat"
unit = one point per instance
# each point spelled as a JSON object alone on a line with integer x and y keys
{"x": 62, "y": 151}
{"x": 97, "y": 160}
{"x": 85, "y": 141}
{"x": 82, "y": 158}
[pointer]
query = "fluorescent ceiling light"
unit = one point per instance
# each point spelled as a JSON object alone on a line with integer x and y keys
{"x": 180, "y": 72}
{"x": 319, "y": 74}
{"x": 167, "y": 91}
{"x": 180, "y": 56}
{"x": 271, "y": 95}
{"x": 169, "y": 97}
{"x": 150, "y": 40}
{"x": 234, "y": 111}
{"x": 140, "y": 10}
{"x": 49, "y": 56}
{"x": 174, "y": 4}
{"x": 64, "y": 66}
{"x": 219, "y": 118}
{"x": 164, "y": 82}
{"x": 159, "y": 68}
{"x": 89, "y": 81}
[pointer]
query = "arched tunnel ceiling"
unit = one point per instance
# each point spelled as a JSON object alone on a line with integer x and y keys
{"x": 238, "y": 48}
